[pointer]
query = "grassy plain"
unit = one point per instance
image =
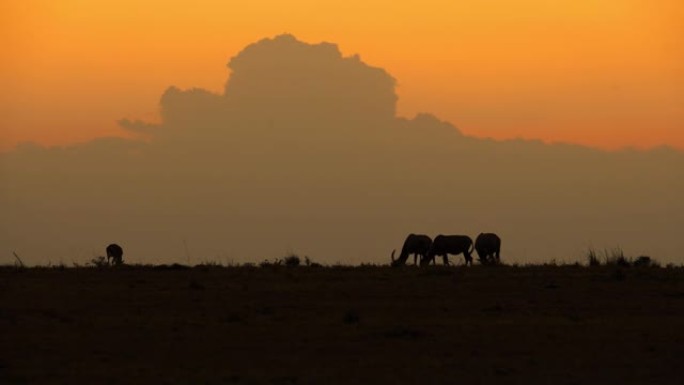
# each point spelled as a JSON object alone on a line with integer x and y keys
{"x": 341, "y": 325}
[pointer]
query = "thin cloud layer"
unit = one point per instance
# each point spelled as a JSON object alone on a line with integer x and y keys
{"x": 303, "y": 153}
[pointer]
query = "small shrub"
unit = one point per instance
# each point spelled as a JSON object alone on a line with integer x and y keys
{"x": 292, "y": 261}
{"x": 645, "y": 261}
{"x": 642, "y": 261}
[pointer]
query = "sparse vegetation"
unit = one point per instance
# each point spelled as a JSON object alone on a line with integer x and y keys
{"x": 291, "y": 260}
{"x": 210, "y": 264}
{"x": 593, "y": 258}
{"x": 608, "y": 257}
{"x": 309, "y": 263}
{"x": 266, "y": 263}
{"x": 99, "y": 261}
{"x": 616, "y": 257}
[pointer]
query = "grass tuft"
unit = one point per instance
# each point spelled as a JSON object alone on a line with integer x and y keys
{"x": 593, "y": 258}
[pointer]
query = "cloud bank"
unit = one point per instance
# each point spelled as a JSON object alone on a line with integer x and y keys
{"x": 303, "y": 152}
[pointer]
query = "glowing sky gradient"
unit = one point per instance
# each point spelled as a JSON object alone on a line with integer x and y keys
{"x": 606, "y": 73}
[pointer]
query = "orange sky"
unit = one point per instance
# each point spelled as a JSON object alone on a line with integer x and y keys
{"x": 607, "y": 73}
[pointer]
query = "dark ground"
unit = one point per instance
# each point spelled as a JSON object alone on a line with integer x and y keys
{"x": 363, "y": 325}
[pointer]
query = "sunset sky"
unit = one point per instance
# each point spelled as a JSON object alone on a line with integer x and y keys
{"x": 605, "y": 73}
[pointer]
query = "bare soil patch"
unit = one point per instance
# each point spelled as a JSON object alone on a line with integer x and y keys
{"x": 305, "y": 325}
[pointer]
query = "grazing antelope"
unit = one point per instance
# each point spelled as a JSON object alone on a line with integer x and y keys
{"x": 115, "y": 253}
{"x": 488, "y": 247}
{"x": 416, "y": 244}
{"x": 450, "y": 244}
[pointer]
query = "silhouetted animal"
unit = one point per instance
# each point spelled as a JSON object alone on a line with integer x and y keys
{"x": 450, "y": 244}
{"x": 488, "y": 247}
{"x": 115, "y": 253}
{"x": 416, "y": 244}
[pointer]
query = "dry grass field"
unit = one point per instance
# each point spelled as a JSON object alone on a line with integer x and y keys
{"x": 342, "y": 325}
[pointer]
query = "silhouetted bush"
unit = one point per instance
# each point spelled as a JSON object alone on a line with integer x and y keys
{"x": 292, "y": 261}
{"x": 645, "y": 261}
